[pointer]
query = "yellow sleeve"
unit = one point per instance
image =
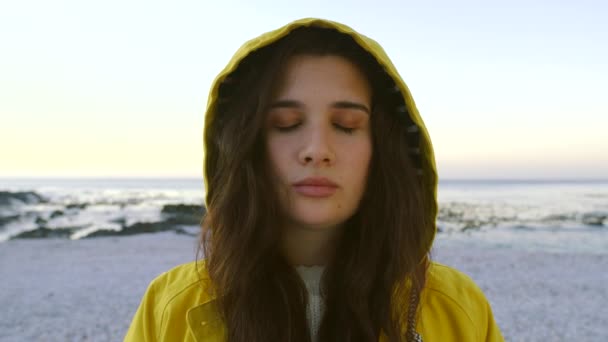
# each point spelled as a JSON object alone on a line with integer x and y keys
{"x": 454, "y": 308}
{"x": 144, "y": 325}
{"x": 492, "y": 333}
{"x": 480, "y": 312}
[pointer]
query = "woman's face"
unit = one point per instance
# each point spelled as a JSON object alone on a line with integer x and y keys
{"x": 319, "y": 140}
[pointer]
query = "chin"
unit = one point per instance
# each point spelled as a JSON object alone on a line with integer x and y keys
{"x": 320, "y": 215}
{"x": 317, "y": 221}
{"x": 318, "y": 225}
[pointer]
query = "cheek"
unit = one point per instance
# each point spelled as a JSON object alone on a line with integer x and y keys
{"x": 278, "y": 153}
{"x": 357, "y": 162}
{"x": 357, "y": 151}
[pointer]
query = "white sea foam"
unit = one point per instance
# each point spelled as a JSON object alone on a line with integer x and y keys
{"x": 568, "y": 216}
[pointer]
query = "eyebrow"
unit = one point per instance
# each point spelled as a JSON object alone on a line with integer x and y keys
{"x": 337, "y": 104}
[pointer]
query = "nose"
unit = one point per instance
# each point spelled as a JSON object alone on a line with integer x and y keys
{"x": 317, "y": 150}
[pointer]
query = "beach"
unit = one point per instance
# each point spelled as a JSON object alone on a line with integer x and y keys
{"x": 89, "y": 289}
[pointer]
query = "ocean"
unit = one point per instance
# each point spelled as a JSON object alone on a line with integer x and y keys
{"x": 548, "y": 215}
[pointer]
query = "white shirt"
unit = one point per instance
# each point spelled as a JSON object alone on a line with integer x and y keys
{"x": 312, "y": 278}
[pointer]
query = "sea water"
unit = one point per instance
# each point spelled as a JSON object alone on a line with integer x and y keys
{"x": 555, "y": 215}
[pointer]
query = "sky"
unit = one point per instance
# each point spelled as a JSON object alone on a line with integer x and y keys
{"x": 507, "y": 90}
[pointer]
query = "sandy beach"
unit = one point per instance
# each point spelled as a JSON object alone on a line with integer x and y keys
{"x": 88, "y": 290}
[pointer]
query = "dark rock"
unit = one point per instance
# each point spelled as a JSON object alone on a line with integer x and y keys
{"x": 76, "y": 206}
{"x": 56, "y": 213}
{"x": 175, "y": 216}
{"x": 594, "y": 219}
{"x": 40, "y": 221}
{"x": 104, "y": 232}
{"x": 43, "y": 232}
{"x": 189, "y": 209}
{"x": 182, "y": 231}
{"x": 145, "y": 227}
{"x": 137, "y": 228}
{"x": 6, "y": 219}
{"x": 122, "y": 221}
{"x": 471, "y": 225}
{"x": 558, "y": 217}
{"x": 185, "y": 220}
{"x": 25, "y": 197}
{"x": 183, "y": 214}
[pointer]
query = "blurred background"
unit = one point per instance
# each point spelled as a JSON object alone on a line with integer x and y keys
{"x": 102, "y": 107}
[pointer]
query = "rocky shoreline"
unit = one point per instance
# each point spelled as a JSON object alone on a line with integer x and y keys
{"x": 32, "y": 215}
{"x": 173, "y": 218}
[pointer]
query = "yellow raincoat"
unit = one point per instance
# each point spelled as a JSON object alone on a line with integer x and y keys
{"x": 178, "y": 304}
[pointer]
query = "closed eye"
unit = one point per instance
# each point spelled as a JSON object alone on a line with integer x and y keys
{"x": 341, "y": 128}
{"x": 288, "y": 128}
{"x": 346, "y": 130}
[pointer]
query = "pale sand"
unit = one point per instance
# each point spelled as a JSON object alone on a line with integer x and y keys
{"x": 88, "y": 290}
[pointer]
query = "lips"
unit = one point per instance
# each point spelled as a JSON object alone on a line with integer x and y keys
{"x": 315, "y": 187}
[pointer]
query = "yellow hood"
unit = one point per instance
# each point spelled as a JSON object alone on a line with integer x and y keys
{"x": 429, "y": 172}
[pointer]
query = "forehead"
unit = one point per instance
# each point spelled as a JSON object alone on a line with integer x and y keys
{"x": 322, "y": 75}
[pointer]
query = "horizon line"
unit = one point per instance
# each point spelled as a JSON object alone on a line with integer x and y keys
{"x": 440, "y": 179}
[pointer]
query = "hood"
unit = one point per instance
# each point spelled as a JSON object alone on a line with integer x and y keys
{"x": 425, "y": 153}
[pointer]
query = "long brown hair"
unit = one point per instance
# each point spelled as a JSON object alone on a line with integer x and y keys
{"x": 381, "y": 252}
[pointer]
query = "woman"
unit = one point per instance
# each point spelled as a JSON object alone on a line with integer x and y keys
{"x": 321, "y": 206}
